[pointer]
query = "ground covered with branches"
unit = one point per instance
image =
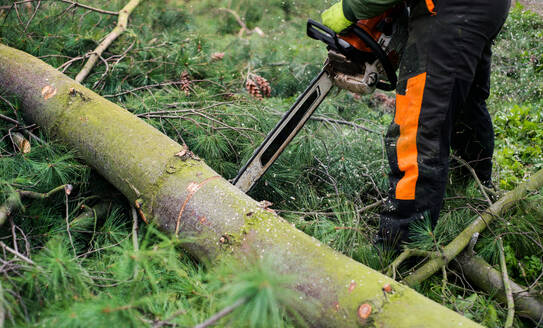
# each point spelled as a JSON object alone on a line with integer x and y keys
{"x": 81, "y": 257}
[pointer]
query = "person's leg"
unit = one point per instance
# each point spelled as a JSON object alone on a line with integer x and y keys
{"x": 436, "y": 75}
{"x": 473, "y": 135}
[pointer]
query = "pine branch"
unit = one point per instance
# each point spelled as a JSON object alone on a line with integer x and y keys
{"x": 478, "y": 225}
{"x": 108, "y": 40}
{"x": 221, "y": 314}
{"x": 474, "y": 174}
{"x": 167, "y": 321}
{"x": 135, "y": 243}
{"x": 98, "y": 10}
{"x": 406, "y": 254}
{"x": 19, "y": 255}
{"x": 490, "y": 280}
{"x": 13, "y": 202}
{"x": 72, "y": 4}
{"x": 506, "y": 287}
{"x": 67, "y": 218}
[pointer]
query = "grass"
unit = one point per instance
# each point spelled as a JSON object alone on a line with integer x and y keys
{"x": 321, "y": 183}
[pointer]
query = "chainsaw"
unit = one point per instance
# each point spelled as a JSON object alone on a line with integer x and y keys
{"x": 361, "y": 59}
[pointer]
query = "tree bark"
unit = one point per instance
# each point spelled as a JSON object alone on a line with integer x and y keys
{"x": 174, "y": 190}
{"x": 484, "y": 276}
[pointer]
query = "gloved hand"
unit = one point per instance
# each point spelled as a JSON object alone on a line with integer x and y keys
{"x": 335, "y": 19}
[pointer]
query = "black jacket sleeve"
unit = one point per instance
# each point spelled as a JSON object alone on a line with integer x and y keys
{"x": 364, "y": 9}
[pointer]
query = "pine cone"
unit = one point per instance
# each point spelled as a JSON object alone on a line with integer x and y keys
{"x": 263, "y": 84}
{"x": 253, "y": 89}
{"x": 217, "y": 56}
{"x": 185, "y": 82}
{"x": 258, "y": 86}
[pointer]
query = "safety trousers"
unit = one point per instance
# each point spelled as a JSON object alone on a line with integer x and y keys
{"x": 444, "y": 82}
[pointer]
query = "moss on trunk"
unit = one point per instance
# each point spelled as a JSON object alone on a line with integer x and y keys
{"x": 142, "y": 163}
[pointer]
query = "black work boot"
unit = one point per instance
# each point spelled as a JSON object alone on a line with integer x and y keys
{"x": 394, "y": 229}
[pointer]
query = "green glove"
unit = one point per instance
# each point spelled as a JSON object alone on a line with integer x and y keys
{"x": 335, "y": 19}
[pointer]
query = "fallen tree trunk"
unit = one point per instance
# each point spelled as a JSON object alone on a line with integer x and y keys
{"x": 181, "y": 193}
{"x": 484, "y": 276}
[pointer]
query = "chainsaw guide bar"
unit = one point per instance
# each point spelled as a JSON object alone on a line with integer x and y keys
{"x": 360, "y": 60}
{"x": 287, "y": 128}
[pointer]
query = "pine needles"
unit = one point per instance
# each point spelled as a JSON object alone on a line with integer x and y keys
{"x": 166, "y": 71}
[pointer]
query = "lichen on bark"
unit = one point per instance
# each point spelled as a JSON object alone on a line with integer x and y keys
{"x": 141, "y": 162}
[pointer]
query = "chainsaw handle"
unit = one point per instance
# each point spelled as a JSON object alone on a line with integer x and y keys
{"x": 381, "y": 56}
{"x": 318, "y": 31}
{"x": 322, "y": 33}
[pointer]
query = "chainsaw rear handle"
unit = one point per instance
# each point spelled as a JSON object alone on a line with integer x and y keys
{"x": 317, "y": 31}
{"x": 322, "y": 33}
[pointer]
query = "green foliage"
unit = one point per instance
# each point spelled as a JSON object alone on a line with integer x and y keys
{"x": 518, "y": 60}
{"x": 267, "y": 295}
{"x": 523, "y": 125}
{"x": 322, "y": 182}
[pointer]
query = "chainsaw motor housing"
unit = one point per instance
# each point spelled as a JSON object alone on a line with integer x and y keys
{"x": 366, "y": 55}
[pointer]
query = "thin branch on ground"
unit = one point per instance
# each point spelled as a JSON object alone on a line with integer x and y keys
{"x": 444, "y": 282}
{"x": 18, "y": 124}
{"x": 135, "y": 243}
{"x": 455, "y": 247}
{"x": 13, "y": 235}
{"x": 67, "y": 64}
{"x": 186, "y": 110}
{"x": 324, "y": 170}
{"x": 158, "y": 85}
{"x": 145, "y": 87}
{"x": 17, "y": 254}
{"x": 98, "y": 10}
{"x": 13, "y": 202}
{"x": 474, "y": 174}
{"x": 406, "y": 254}
{"x": 106, "y": 42}
{"x": 9, "y": 119}
{"x": 483, "y": 275}
{"x": 66, "y": 195}
{"x": 507, "y": 287}
{"x": 221, "y": 314}
{"x": 359, "y": 211}
{"x": 73, "y": 4}
{"x": 470, "y": 249}
{"x": 342, "y": 122}
{"x": 33, "y": 15}
{"x": 244, "y": 28}
{"x": 103, "y": 75}
{"x": 371, "y": 206}
{"x": 170, "y": 318}
{"x": 37, "y": 195}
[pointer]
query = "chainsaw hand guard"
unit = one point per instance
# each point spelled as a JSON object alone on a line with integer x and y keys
{"x": 367, "y": 54}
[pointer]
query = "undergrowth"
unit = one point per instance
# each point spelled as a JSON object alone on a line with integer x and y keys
{"x": 323, "y": 182}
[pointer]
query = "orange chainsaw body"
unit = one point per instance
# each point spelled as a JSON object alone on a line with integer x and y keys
{"x": 368, "y": 25}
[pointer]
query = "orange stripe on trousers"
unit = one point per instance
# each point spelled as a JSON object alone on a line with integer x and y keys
{"x": 430, "y": 5}
{"x": 407, "y": 117}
